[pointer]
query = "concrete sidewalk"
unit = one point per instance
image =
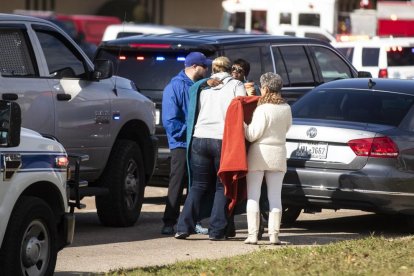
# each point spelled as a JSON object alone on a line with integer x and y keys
{"x": 99, "y": 249}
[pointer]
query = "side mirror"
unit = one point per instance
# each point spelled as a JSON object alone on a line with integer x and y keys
{"x": 364, "y": 74}
{"x": 10, "y": 124}
{"x": 103, "y": 69}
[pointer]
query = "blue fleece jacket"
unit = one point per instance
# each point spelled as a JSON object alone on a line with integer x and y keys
{"x": 174, "y": 110}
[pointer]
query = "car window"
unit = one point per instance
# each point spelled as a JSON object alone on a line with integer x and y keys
{"x": 331, "y": 65}
{"x": 370, "y": 56}
{"x": 281, "y": 67}
{"x": 148, "y": 70}
{"x": 298, "y": 68}
{"x": 61, "y": 61}
{"x": 347, "y": 52}
{"x": 354, "y": 105}
{"x": 250, "y": 54}
{"x": 16, "y": 56}
{"x": 400, "y": 56}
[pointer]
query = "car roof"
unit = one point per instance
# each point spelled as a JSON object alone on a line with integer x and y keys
{"x": 402, "y": 86}
{"x": 205, "y": 40}
{"x": 16, "y": 17}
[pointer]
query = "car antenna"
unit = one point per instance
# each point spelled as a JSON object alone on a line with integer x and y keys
{"x": 371, "y": 83}
{"x": 117, "y": 60}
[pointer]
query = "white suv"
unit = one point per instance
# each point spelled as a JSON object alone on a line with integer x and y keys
{"x": 122, "y": 30}
{"x": 382, "y": 57}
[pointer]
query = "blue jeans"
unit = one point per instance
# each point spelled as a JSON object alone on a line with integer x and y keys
{"x": 205, "y": 162}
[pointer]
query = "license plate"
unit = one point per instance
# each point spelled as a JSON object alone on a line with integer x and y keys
{"x": 311, "y": 151}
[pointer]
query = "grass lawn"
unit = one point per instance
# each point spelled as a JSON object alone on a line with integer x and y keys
{"x": 369, "y": 256}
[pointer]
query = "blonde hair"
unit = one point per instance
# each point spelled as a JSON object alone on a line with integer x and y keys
{"x": 221, "y": 64}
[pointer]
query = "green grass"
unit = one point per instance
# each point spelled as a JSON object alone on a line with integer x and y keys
{"x": 369, "y": 256}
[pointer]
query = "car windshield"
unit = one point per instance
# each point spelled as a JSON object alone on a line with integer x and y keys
{"x": 148, "y": 70}
{"x": 400, "y": 56}
{"x": 354, "y": 105}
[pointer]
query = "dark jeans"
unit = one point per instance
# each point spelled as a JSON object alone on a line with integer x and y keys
{"x": 205, "y": 162}
{"x": 178, "y": 180}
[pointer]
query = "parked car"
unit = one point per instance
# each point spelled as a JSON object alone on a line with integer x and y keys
{"x": 37, "y": 217}
{"x": 382, "y": 57}
{"x": 64, "y": 95}
{"x": 115, "y": 31}
{"x": 351, "y": 146}
{"x": 152, "y": 60}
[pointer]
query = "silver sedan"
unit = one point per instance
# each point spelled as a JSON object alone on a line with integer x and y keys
{"x": 351, "y": 146}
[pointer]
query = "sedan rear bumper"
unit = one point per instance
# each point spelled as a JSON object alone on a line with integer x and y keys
{"x": 374, "y": 188}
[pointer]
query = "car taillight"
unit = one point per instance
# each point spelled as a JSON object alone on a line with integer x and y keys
{"x": 382, "y": 147}
{"x": 383, "y": 73}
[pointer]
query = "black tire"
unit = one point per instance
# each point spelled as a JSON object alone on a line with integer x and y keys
{"x": 124, "y": 176}
{"x": 290, "y": 214}
{"x": 29, "y": 246}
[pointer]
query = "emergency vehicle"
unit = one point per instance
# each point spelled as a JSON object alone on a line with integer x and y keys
{"x": 269, "y": 15}
{"x": 36, "y": 219}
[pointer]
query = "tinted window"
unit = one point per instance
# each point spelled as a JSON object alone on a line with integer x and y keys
{"x": 125, "y": 34}
{"x": 252, "y": 55}
{"x": 61, "y": 61}
{"x": 280, "y": 66}
{"x": 370, "y": 56}
{"x": 310, "y": 19}
{"x": 285, "y": 18}
{"x": 353, "y": 105}
{"x": 331, "y": 65}
{"x": 259, "y": 19}
{"x": 347, "y": 52}
{"x": 149, "y": 70}
{"x": 15, "y": 58}
{"x": 298, "y": 68}
{"x": 402, "y": 56}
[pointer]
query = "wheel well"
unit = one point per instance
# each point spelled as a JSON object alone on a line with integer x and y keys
{"x": 50, "y": 194}
{"x": 138, "y": 131}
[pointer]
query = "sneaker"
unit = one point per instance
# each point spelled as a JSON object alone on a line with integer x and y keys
{"x": 167, "y": 230}
{"x": 199, "y": 229}
{"x": 181, "y": 235}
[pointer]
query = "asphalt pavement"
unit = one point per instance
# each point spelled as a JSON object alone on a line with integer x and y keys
{"x": 98, "y": 249}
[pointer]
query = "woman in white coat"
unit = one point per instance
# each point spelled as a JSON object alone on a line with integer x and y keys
{"x": 267, "y": 155}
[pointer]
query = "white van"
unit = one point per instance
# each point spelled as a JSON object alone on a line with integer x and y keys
{"x": 382, "y": 57}
{"x": 122, "y": 30}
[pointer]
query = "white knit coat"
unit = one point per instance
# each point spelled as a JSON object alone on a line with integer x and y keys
{"x": 267, "y": 132}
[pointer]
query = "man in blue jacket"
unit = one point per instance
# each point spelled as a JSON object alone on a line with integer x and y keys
{"x": 174, "y": 113}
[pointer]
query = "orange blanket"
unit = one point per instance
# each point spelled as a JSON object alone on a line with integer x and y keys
{"x": 233, "y": 162}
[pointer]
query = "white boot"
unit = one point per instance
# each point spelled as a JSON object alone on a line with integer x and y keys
{"x": 274, "y": 227}
{"x": 252, "y": 227}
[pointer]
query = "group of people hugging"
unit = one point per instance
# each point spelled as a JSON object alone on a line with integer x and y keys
{"x": 202, "y": 139}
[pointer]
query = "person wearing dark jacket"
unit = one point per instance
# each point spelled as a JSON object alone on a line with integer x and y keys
{"x": 174, "y": 114}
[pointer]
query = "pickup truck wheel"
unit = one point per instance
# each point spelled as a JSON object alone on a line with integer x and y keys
{"x": 124, "y": 176}
{"x": 29, "y": 246}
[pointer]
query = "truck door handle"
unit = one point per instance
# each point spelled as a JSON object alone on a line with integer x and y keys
{"x": 63, "y": 97}
{"x": 9, "y": 96}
